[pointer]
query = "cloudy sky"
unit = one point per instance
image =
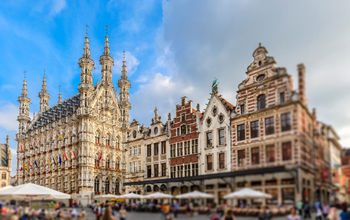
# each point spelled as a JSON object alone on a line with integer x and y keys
{"x": 175, "y": 48}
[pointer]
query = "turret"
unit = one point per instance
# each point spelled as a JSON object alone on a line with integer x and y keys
{"x": 86, "y": 65}
{"x": 24, "y": 102}
{"x": 106, "y": 62}
{"x": 44, "y": 96}
{"x": 124, "y": 86}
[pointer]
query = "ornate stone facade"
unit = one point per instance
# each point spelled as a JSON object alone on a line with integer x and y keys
{"x": 76, "y": 145}
{"x": 5, "y": 163}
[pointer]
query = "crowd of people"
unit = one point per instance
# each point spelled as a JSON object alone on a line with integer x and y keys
{"x": 118, "y": 210}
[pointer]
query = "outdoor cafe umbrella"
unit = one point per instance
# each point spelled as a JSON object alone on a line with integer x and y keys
{"x": 107, "y": 196}
{"x": 131, "y": 196}
{"x": 32, "y": 191}
{"x": 247, "y": 193}
{"x": 158, "y": 195}
{"x": 195, "y": 195}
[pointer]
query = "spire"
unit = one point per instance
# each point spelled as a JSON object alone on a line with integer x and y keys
{"x": 44, "y": 87}
{"x": 59, "y": 95}
{"x": 106, "y": 62}
{"x": 124, "y": 71}
{"x": 106, "y": 51}
{"x": 86, "y": 44}
{"x": 44, "y": 96}
{"x": 24, "y": 88}
{"x": 86, "y": 64}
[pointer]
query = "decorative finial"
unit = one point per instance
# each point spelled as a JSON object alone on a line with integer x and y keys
{"x": 259, "y": 44}
{"x": 44, "y": 72}
{"x": 25, "y": 73}
{"x": 106, "y": 30}
{"x": 87, "y": 30}
{"x": 123, "y": 55}
{"x": 59, "y": 89}
{"x": 59, "y": 95}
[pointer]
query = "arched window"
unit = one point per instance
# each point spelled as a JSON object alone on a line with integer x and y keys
{"x": 117, "y": 142}
{"x": 117, "y": 187}
{"x": 108, "y": 139}
{"x": 117, "y": 164}
{"x": 107, "y": 186}
{"x": 261, "y": 101}
{"x": 97, "y": 137}
{"x": 97, "y": 185}
{"x": 108, "y": 162}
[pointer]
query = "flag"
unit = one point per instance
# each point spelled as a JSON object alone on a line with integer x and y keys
{"x": 21, "y": 169}
{"x": 65, "y": 156}
{"x": 25, "y": 165}
{"x": 100, "y": 157}
{"x": 74, "y": 155}
{"x": 36, "y": 164}
{"x": 59, "y": 135}
{"x": 60, "y": 160}
{"x": 30, "y": 164}
{"x": 22, "y": 149}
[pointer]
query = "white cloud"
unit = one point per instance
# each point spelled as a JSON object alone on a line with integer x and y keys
{"x": 160, "y": 91}
{"x": 57, "y": 7}
{"x": 131, "y": 63}
{"x": 8, "y": 117}
{"x": 218, "y": 42}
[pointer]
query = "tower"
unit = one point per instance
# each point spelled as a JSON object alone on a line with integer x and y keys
{"x": 106, "y": 62}
{"x": 24, "y": 102}
{"x": 44, "y": 96}
{"x": 124, "y": 86}
{"x": 87, "y": 65}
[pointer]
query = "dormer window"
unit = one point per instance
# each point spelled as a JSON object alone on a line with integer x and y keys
{"x": 260, "y": 78}
{"x": 155, "y": 130}
{"x": 134, "y": 134}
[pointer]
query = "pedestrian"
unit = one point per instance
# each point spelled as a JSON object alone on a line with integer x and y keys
{"x": 318, "y": 213}
{"x": 228, "y": 216}
{"x": 293, "y": 215}
{"x": 122, "y": 213}
{"x": 213, "y": 213}
{"x": 325, "y": 210}
{"x": 263, "y": 214}
{"x": 188, "y": 209}
{"x": 176, "y": 209}
{"x": 307, "y": 210}
{"x": 300, "y": 207}
{"x": 107, "y": 215}
{"x": 344, "y": 215}
{"x": 332, "y": 213}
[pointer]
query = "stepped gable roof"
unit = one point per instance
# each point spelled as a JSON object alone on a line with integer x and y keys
{"x": 67, "y": 107}
{"x": 227, "y": 105}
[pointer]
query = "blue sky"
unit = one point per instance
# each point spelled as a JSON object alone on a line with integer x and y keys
{"x": 174, "y": 48}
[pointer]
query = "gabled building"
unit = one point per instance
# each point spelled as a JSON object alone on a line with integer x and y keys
{"x": 273, "y": 134}
{"x": 215, "y": 144}
{"x": 147, "y": 156}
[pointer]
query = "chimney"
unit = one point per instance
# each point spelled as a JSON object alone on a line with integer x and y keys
{"x": 301, "y": 83}
{"x": 184, "y": 100}
{"x": 7, "y": 140}
{"x": 314, "y": 113}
